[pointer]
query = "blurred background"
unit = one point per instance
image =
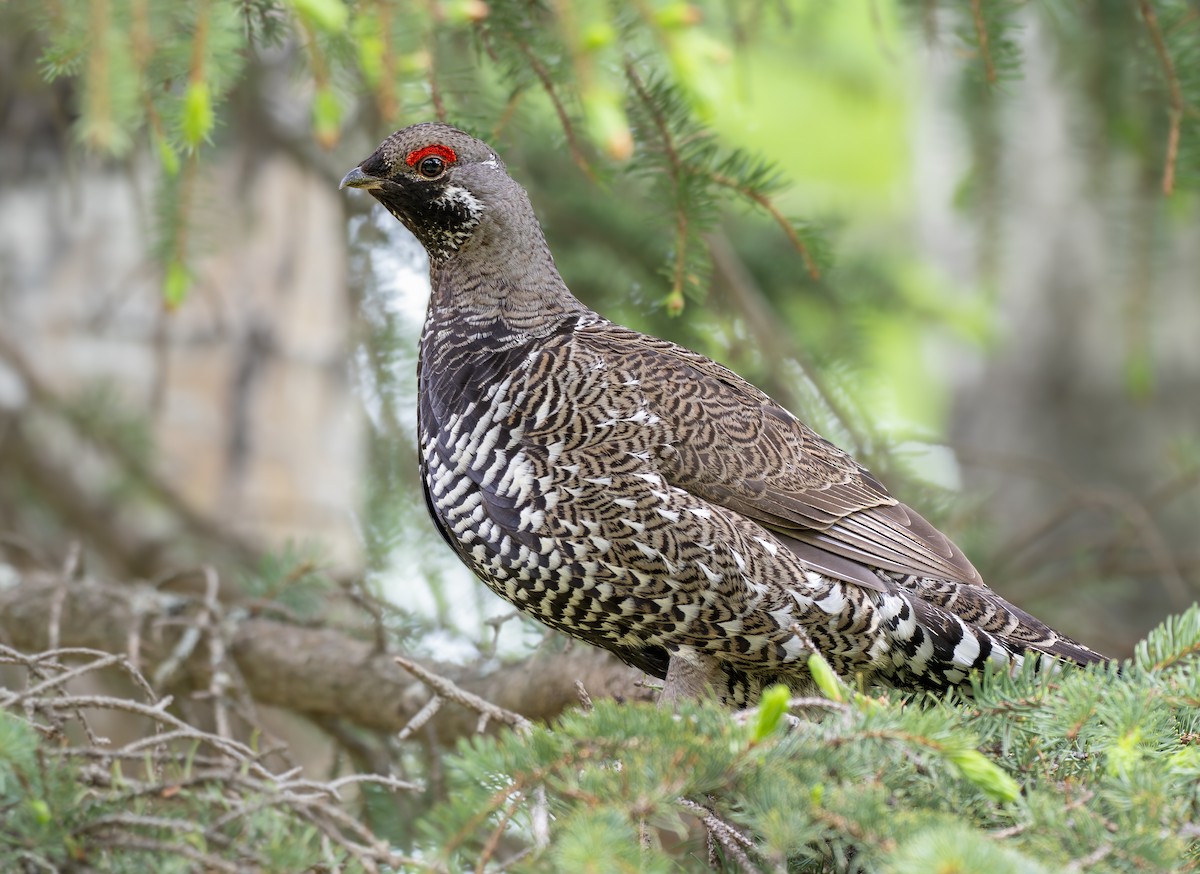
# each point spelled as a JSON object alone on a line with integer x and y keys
{"x": 962, "y": 240}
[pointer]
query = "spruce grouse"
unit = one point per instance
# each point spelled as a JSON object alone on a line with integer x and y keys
{"x": 645, "y": 499}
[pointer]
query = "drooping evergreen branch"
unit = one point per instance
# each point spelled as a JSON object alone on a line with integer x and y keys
{"x": 676, "y": 170}
{"x": 520, "y": 40}
{"x": 507, "y": 113}
{"x": 431, "y": 70}
{"x": 695, "y": 164}
{"x": 1174, "y": 92}
{"x": 981, "y": 34}
{"x": 757, "y": 311}
{"x": 564, "y": 118}
{"x": 764, "y": 201}
{"x": 987, "y": 29}
{"x": 386, "y": 80}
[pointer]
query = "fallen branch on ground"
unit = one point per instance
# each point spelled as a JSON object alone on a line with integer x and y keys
{"x": 316, "y": 672}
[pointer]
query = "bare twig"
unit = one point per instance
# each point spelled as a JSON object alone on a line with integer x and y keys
{"x": 734, "y": 842}
{"x": 1091, "y": 860}
{"x": 447, "y": 689}
{"x": 219, "y": 678}
{"x": 539, "y": 817}
{"x": 55, "y": 623}
{"x": 496, "y": 623}
{"x": 585, "y": 700}
{"x": 805, "y": 702}
{"x": 359, "y": 595}
{"x": 169, "y": 849}
{"x": 58, "y": 679}
{"x": 422, "y": 716}
{"x": 158, "y": 713}
{"x": 378, "y": 779}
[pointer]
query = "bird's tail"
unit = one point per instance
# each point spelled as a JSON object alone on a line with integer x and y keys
{"x": 940, "y": 631}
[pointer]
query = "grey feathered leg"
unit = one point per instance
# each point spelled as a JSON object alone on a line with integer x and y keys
{"x": 692, "y": 677}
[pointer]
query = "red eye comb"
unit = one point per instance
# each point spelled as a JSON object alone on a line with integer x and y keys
{"x": 444, "y": 152}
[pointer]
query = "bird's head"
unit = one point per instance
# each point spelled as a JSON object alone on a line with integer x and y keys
{"x": 440, "y": 182}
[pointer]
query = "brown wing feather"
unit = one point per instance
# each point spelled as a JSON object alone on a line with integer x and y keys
{"x": 895, "y": 538}
{"x": 738, "y": 448}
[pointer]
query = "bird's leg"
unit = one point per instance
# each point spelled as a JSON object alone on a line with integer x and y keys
{"x": 689, "y": 676}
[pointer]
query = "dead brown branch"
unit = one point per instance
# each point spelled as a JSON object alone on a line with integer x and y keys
{"x": 450, "y": 691}
{"x": 175, "y": 757}
{"x": 317, "y": 672}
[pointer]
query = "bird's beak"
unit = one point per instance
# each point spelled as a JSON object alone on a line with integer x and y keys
{"x": 356, "y": 178}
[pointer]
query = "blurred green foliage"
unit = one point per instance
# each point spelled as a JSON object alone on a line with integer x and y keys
{"x": 674, "y": 115}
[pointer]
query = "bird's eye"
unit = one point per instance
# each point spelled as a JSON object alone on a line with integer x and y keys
{"x": 431, "y": 167}
{"x": 431, "y": 161}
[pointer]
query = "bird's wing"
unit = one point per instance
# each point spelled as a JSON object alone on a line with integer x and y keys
{"x": 736, "y": 447}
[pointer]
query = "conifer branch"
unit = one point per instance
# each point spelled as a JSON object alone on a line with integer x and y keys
{"x": 760, "y": 316}
{"x": 1174, "y": 91}
{"x": 386, "y": 90}
{"x": 493, "y": 840}
{"x": 676, "y": 169}
{"x": 981, "y": 34}
{"x": 435, "y": 91}
{"x": 728, "y": 836}
{"x": 564, "y": 118}
{"x": 767, "y": 204}
{"x": 506, "y": 114}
